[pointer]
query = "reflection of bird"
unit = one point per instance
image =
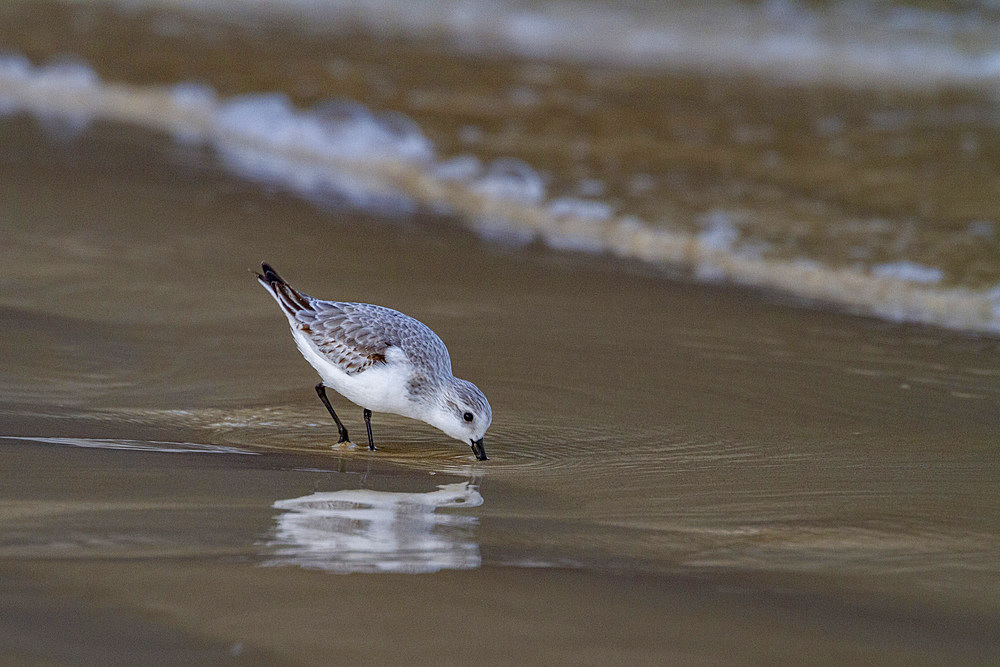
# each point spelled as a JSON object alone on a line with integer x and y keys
{"x": 359, "y": 530}
{"x": 382, "y": 360}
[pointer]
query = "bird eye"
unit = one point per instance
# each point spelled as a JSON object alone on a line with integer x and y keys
{"x": 467, "y": 416}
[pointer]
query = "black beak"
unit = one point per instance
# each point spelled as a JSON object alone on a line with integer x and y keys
{"x": 479, "y": 450}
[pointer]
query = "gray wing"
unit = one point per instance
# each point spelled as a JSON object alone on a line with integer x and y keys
{"x": 357, "y": 336}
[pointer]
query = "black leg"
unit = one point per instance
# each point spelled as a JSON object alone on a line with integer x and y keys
{"x": 368, "y": 423}
{"x": 321, "y": 390}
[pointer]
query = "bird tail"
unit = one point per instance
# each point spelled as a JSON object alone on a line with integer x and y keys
{"x": 290, "y": 299}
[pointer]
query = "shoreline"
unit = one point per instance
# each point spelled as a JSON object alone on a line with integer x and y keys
{"x": 699, "y": 472}
{"x": 264, "y": 138}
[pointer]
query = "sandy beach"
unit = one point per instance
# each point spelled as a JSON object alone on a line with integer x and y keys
{"x": 680, "y": 471}
{"x": 689, "y": 469}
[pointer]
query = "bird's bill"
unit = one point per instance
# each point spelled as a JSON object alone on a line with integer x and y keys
{"x": 479, "y": 450}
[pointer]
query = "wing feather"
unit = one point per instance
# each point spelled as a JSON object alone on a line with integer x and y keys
{"x": 357, "y": 336}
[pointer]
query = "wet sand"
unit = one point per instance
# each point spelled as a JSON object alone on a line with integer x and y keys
{"x": 167, "y": 566}
{"x": 677, "y": 472}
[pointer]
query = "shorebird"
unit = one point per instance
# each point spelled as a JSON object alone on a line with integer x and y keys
{"x": 383, "y": 361}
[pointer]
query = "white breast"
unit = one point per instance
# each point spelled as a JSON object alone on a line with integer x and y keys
{"x": 381, "y": 388}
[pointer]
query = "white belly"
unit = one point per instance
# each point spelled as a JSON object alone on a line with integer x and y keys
{"x": 381, "y": 388}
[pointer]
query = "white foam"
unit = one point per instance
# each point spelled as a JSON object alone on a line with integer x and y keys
{"x": 577, "y": 224}
{"x": 266, "y": 138}
{"x": 63, "y": 78}
{"x": 849, "y": 42}
{"x": 342, "y": 152}
{"x": 460, "y": 168}
{"x": 511, "y": 179}
{"x": 909, "y": 272}
{"x": 720, "y": 232}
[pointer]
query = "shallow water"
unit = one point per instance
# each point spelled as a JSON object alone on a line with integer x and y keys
{"x": 831, "y": 169}
{"x": 678, "y": 471}
{"x": 748, "y": 456}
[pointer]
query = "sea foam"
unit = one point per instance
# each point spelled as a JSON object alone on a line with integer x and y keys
{"x": 879, "y": 44}
{"x": 342, "y": 153}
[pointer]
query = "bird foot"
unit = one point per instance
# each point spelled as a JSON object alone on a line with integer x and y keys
{"x": 344, "y": 444}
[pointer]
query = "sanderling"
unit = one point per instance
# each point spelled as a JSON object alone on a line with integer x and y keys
{"x": 382, "y": 360}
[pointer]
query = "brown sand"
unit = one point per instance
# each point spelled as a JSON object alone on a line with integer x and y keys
{"x": 680, "y": 472}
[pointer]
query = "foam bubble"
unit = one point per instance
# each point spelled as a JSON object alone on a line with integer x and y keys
{"x": 512, "y": 179}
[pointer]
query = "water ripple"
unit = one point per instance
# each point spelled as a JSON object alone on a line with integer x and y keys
{"x": 135, "y": 445}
